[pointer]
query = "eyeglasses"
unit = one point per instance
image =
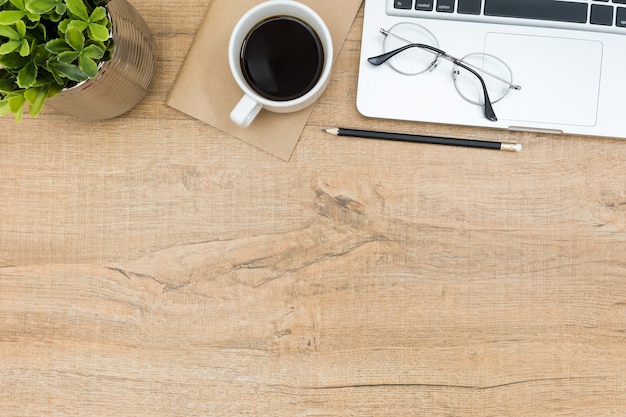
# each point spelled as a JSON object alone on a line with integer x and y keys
{"x": 421, "y": 44}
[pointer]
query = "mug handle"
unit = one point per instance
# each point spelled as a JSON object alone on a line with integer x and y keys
{"x": 245, "y": 111}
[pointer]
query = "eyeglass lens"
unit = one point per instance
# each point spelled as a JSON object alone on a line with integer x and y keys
{"x": 469, "y": 87}
{"x": 414, "y": 61}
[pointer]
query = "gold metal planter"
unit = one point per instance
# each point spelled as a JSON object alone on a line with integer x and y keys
{"x": 123, "y": 81}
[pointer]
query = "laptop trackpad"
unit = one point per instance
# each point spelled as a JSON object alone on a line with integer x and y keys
{"x": 560, "y": 79}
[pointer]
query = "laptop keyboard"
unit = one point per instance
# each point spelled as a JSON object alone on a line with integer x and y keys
{"x": 595, "y": 15}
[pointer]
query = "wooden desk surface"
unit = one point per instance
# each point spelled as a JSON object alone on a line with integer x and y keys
{"x": 154, "y": 266}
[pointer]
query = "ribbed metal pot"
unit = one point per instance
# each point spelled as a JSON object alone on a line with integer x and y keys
{"x": 123, "y": 81}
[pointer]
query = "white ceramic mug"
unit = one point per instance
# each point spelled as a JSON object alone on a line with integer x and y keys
{"x": 251, "y": 103}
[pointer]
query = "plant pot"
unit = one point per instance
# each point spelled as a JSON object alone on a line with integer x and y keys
{"x": 123, "y": 81}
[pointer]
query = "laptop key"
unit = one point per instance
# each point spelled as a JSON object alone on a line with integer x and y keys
{"x": 560, "y": 11}
{"x": 620, "y": 19}
{"x": 469, "y": 6}
{"x": 446, "y": 6}
{"x": 403, "y": 4}
{"x": 426, "y": 5}
{"x": 601, "y": 15}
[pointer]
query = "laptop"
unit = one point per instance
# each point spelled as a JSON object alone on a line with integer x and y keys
{"x": 548, "y": 66}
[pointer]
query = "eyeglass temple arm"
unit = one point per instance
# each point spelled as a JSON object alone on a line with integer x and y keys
{"x": 381, "y": 59}
{"x": 489, "y": 113}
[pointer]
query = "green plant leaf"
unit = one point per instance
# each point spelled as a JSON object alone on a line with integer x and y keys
{"x": 6, "y": 86}
{"x": 63, "y": 24}
{"x": 98, "y": 32}
{"x": 54, "y": 90}
{"x": 39, "y": 53}
{"x": 40, "y": 6}
{"x": 39, "y": 32}
{"x": 98, "y": 14}
{"x": 69, "y": 71}
{"x": 21, "y": 28}
{"x": 68, "y": 57}
{"x": 10, "y": 17}
{"x": 56, "y": 46}
{"x": 87, "y": 66}
{"x": 16, "y": 106}
{"x": 25, "y": 48}
{"x": 36, "y": 98}
{"x": 99, "y": 44}
{"x": 93, "y": 52}
{"x": 18, "y": 3}
{"x": 9, "y": 32}
{"x": 58, "y": 77}
{"x": 4, "y": 107}
{"x": 78, "y": 9}
{"x": 13, "y": 61}
{"x": 35, "y": 108}
{"x": 78, "y": 24}
{"x": 75, "y": 38}
{"x": 20, "y": 6}
{"x": 10, "y": 46}
{"x": 30, "y": 94}
{"x": 27, "y": 76}
{"x": 61, "y": 8}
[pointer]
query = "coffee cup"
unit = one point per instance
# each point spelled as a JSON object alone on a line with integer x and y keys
{"x": 280, "y": 54}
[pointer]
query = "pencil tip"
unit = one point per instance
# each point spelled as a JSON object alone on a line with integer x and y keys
{"x": 333, "y": 131}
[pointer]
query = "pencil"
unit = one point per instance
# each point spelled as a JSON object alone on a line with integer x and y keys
{"x": 404, "y": 137}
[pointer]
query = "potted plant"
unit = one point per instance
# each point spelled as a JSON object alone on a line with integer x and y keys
{"x": 91, "y": 59}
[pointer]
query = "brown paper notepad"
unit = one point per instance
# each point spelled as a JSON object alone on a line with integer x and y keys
{"x": 206, "y": 90}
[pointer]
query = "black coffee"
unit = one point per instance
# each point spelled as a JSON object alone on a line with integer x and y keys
{"x": 282, "y": 58}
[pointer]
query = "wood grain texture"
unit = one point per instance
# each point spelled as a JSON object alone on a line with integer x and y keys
{"x": 153, "y": 266}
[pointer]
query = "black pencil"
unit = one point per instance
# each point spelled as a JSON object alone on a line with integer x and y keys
{"x": 404, "y": 137}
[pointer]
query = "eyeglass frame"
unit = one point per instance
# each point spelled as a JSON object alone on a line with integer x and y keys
{"x": 487, "y": 105}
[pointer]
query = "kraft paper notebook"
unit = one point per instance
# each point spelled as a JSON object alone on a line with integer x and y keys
{"x": 206, "y": 90}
